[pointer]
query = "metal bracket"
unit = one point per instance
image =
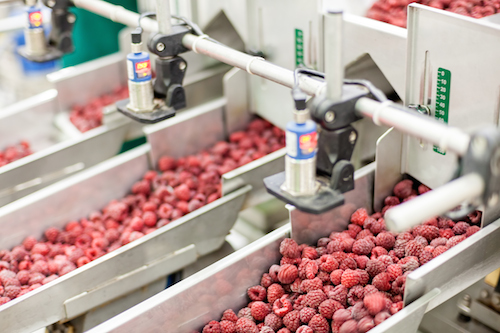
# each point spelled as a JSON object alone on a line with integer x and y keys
{"x": 168, "y": 83}
{"x": 169, "y": 45}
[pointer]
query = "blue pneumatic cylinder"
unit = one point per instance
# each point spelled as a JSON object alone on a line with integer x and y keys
{"x": 300, "y": 161}
{"x": 33, "y": 34}
{"x": 140, "y": 80}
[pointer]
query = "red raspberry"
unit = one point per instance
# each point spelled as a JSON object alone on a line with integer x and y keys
{"x": 40, "y": 248}
{"x": 446, "y": 233}
{"x": 292, "y": 320}
{"x": 439, "y": 250}
{"x": 265, "y": 329}
{"x": 413, "y": 248}
{"x": 454, "y": 241}
{"x": 396, "y": 307}
{"x": 49, "y": 279}
{"x": 19, "y": 253}
{"x": 259, "y": 310}
{"x": 51, "y": 234}
{"x": 40, "y": 266}
{"x": 212, "y": 327}
{"x": 382, "y": 282}
{"x": 6, "y": 275}
{"x": 385, "y": 259}
{"x": 11, "y": 282}
{"x": 380, "y": 317}
{"x": 323, "y": 242}
{"x": 369, "y": 289}
{"x": 428, "y": 231}
{"x": 339, "y": 294}
{"x": 365, "y": 324}
{"x": 472, "y": 230}
{"x": 304, "y": 329}
{"x": 378, "y": 226}
{"x": 137, "y": 224}
{"x": 394, "y": 271}
{"x": 306, "y": 314}
{"x": 327, "y": 308}
{"x": 362, "y": 247}
{"x": 474, "y": 217}
{"x": 341, "y": 316}
{"x": 439, "y": 241}
{"x": 29, "y": 242}
{"x": 339, "y": 256}
{"x": 182, "y": 192}
{"x": 425, "y": 257}
{"x": 375, "y": 267}
{"x": 273, "y": 272}
{"x": 432, "y": 221}
{"x": 284, "y": 330}
{"x": 149, "y": 219}
{"x": 359, "y": 216}
{"x": 364, "y": 234}
{"x": 11, "y": 291}
{"x": 227, "y": 326}
{"x": 309, "y": 253}
{"x": 375, "y": 303}
{"x": 282, "y": 306}
{"x": 421, "y": 190}
{"x": 460, "y": 228}
{"x": 324, "y": 277}
{"x": 359, "y": 311}
{"x": 391, "y": 201}
{"x": 348, "y": 263}
{"x": 398, "y": 286}
{"x": 385, "y": 240}
{"x": 353, "y": 230}
{"x": 311, "y": 269}
{"x": 350, "y": 278}
{"x": 289, "y": 248}
{"x": 364, "y": 277}
{"x": 309, "y": 285}
{"x": 377, "y": 252}
{"x": 266, "y": 280}
{"x": 245, "y": 313}
{"x": 274, "y": 292}
{"x": 273, "y": 321}
{"x": 319, "y": 324}
{"x": 229, "y": 315}
{"x": 257, "y": 293}
{"x": 404, "y": 236}
{"x": 403, "y": 189}
{"x": 4, "y": 300}
{"x": 361, "y": 261}
{"x": 23, "y": 277}
{"x": 355, "y": 295}
{"x": 245, "y": 325}
{"x": 328, "y": 263}
{"x": 314, "y": 298}
{"x": 288, "y": 273}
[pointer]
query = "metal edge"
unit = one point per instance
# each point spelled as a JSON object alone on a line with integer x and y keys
{"x": 29, "y": 103}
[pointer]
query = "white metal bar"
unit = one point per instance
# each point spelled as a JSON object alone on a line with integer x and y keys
{"x": 419, "y": 126}
{"x": 163, "y": 16}
{"x": 333, "y": 44}
{"x": 433, "y": 203}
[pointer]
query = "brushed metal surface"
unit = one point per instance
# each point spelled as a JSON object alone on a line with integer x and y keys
{"x": 235, "y": 85}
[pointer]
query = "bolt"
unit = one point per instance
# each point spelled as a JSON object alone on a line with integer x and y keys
{"x": 352, "y": 137}
{"x": 479, "y": 145}
{"x": 71, "y": 18}
{"x": 182, "y": 66}
{"x": 466, "y": 300}
{"x": 495, "y": 300}
{"x": 493, "y": 200}
{"x": 160, "y": 47}
{"x": 329, "y": 116}
{"x": 51, "y": 3}
{"x": 484, "y": 294}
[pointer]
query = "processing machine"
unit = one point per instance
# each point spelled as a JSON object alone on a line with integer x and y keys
{"x": 421, "y": 66}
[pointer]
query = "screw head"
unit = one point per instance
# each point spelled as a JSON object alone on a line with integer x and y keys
{"x": 160, "y": 47}
{"x": 71, "y": 18}
{"x": 329, "y": 116}
{"x": 495, "y": 299}
{"x": 352, "y": 137}
{"x": 182, "y": 66}
{"x": 484, "y": 294}
{"x": 51, "y": 3}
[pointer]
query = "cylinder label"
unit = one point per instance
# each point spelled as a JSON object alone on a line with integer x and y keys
{"x": 139, "y": 70}
{"x": 308, "y": 143}
{"x": 34, "y": 19}
{"x": 301, "y": 146}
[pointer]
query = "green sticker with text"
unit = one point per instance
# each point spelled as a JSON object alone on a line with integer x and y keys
{"x": 299, "y": 47}
{"x": 442, "y": 99}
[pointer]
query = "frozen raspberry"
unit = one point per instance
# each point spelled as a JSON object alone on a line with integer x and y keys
{"x": 339, "y": 256}
{"x": 409, "y": 264}
{"x": 40, "y": 266}
{"x": 212, "y": 327}
{"x": 355, "y": 295}
{"x": 359, "y": 216}
{"x": 353, "y": 230}
{"x": 306, "y": 314}
{"x": 341, "y": 316}
{"x": 359, "y": 311}
{"x": 259, "y": 310}
{"x": 284, "y": 330}
{"x": 40, "y": 248}
{"x": 362, "y": 247}
{"x": 327, "y": 308}
{"x": 289, "y": 248}
{"x": 6, "y": 275}
{"x": 266, "y": 280}
{"x": 292, "y": 320}
{"x": 19, "y": 253}
{"x": 323, "y": 242}
{"x": 394, "y": 271}
{"x": 396, "y": 307}
{"x": 339, "y": 293}
{"x": 375, "y": 267}
{"x": 472, "y": 230}
{"x": 385, "y": 240}
{"x": 460, "y": 228}
{"x": 182, "y": 192}
{"x": 274, "y": 292}
{"x": 311, "y": 269}
{"x": 385, "y": 259}
{"x": 266, "y": 329}
{"x": 49, "y": 279}
{"x": 309, "y": 285}
{"x": 454, "y": 241}
{"x": 421, "y": 190}
{"x": 328, "y": 263}
{"x": 475, "y": 217}
{"x": 348, "y": 263}
{"x": 23, "y": 277}
{"x": 403, "y": 189}
{"x": 314, "y": 298}
{"x": 361, "y": 261}
{"x": 381, "y": 316}
{"x": 350, "y": 278}
{"x": 288, "y": 273}
{"x": 11, "y": 291}
{"x": 391, "y": 201}
{"x": 446, "y": 233}
{"x": 324, "y": 277}
{"x": 4, "y": 300}
{"x": 377, "y": 252}
{"x": 439, "y": 241}
{"x": 229, "y": 315}
{"x": 378, "y": 226}
{"x": 51, "y": 234}
{"x": 413, "y": 248}
{"x": 29, "y": 242}
{"x": 304, "y": 329}
{"x": 227, "y": 326}
{"x": 429, "y": 232}
{"x": 319, "y": 324}
{"x": 245, "y": 313}
{"x": 425, "y": 257}
{"x": 375, "y": 303}
{"x": 257, "y": 293}
{"x": 245, "y": 325}
{"x": 365, "y": 234}
{"x": 273, "y": 321}
{"x": 273, "y": 272}
{"x": 149, "y": 219}
{"x": 382, "y": 282}
{"x": 282, "y": 306}
{"x": 398, "y": 285}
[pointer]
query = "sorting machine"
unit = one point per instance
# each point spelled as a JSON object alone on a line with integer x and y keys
{"x": 460, "y": 163}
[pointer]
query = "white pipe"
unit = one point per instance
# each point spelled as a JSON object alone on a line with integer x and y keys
{"x": 333, "y": 45}
{"x": 433, "y": 203}
{"x": 417, "y": 125}
{"x": 163, "y": 16}
{"x": 253, "y": 65}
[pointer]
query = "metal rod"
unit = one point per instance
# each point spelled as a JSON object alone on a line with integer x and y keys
{"x": 333, "y": 45}
{"x": 433, "y": 203}
{"x": 163, "y": 16}
{"x": 116, "y": 14}
{"x": 251, "y": 64}
{"x": 417, "y": 125}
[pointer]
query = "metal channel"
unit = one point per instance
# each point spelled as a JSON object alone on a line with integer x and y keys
{"x": 204, "y": 295}
{"x": 75, "y": 197}
{"x": 308, "y": 228}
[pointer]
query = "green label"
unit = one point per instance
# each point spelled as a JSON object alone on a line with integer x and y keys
{"x": 299, "y": 47}
{"x": 442, "y": 99}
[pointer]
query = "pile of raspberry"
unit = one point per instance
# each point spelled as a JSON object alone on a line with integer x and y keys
{"x": 395, "y": 11}
{"x": 350, "y": 281}
{"x": 180, "y": 187}
{"x": 15, "y": 152}
{"x": 89, "y": 116}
